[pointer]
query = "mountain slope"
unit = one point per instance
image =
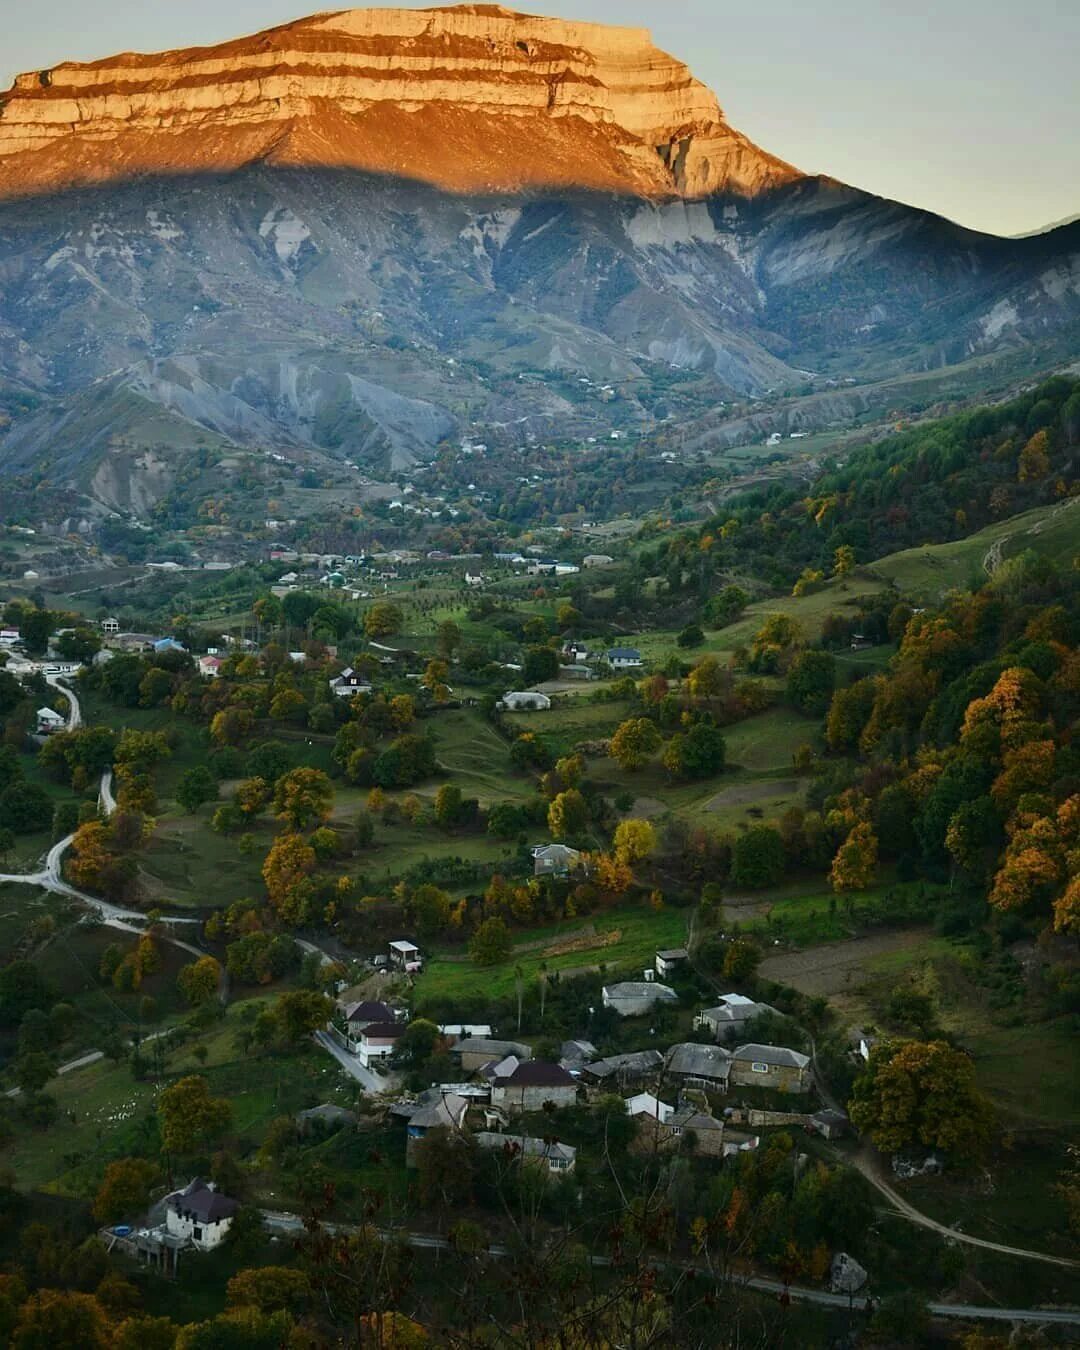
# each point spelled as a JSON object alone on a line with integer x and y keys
{"x": 329, "y": 269}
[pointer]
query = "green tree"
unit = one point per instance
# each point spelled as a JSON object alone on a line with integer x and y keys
{"x": 383, "y": 619}
{"x": 198, "y": 981}
{"x": 810, "y": 681}
{"x": 491, "y": 942}
{"x": 196, "y": 786}
{"x": 540, "y": 664}
{"x": 301, "y": 1012}
{"x": 758, "y": 858}
{"x": 568, "y": 816}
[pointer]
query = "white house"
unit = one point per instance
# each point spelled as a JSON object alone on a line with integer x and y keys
{"x": 348, "y": 683}
{"x": 554, "y": 860}
{"x": 730, "y": 1014}
{"x": 597, "y": 560}
{"x": 623, "y": 658}
{"x": 645, "y": 1104}
{"x": 48, "y": 721}
{"x": 199, "y": 1214}
{"x": 405, "y": 955}
{"x": 210, "y": 666}
{"x": 526, "y": 700}
{"x": 110, "y": 627}
{"x": 378, "y": 1040}
{"x": 671, "y": 959}
{"x": 633, "y": 998}
{"x": 8, "y": 637}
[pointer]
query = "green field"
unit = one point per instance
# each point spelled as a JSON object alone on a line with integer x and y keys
{"x": 634, "y": 932}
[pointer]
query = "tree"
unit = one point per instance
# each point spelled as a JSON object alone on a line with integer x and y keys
{"x": 303, "y": 797}
{"x": 25, "y": 808}
{"x": 35, "y": 626}
{"x": 844, "y": 560}
{"x": 634, "y": 840}
{"x": 196, "y": 787}
{"x": 758, "y": 858}
{"x": 54, "y": 1320}
{"x": 741, "y": 959}
{"x": 922, "y": 1092}
{"x": 726, "y": 607}
{"x": 448, "y": 805}
{"x": 286, "y": 872}
{"x": 417, "y": 1043}
{"x": 447, "y": 639}
{"x": 855, "y": 864}
{"x": 33, "y": 1071}
{"x": 690, "y": 636}
{"x": 1034, "y": 462}
{"x": 79, "y": 644}
{"x": 189, "y": 1117}
{"x": 125, "y": 1189}
{"x": 849, "y": 714}
{"x": 198, "y": 981}
{"x": 634, "y": 742}
{"x": 568, "y": 816}
{"x": 383, "y": 619}
{"x": 232, "y": 726}
{"x": 300, "y": 1012}
{"x": 251, "y": 796}
{"x": 708, "y": 680}
{"x": 491, "y": 942}
{"x": 810, "y": 681}
{"x": 540, "y": 664}
{"x": 269, "y": 1289}
{"x": 697, "y": 753}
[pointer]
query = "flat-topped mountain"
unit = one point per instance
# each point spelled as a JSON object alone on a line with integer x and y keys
{"x": 469, "y": 98}
{"x": 366, "y": 233}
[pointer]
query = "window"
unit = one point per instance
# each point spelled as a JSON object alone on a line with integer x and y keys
{"x": 197, "y": 1234}
{"x": 758, "y": 1067}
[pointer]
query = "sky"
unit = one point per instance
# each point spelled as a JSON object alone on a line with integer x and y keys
{"x": 966, "y": 107}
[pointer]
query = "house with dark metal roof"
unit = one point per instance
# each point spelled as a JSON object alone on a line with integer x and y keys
{"x": 730, "y": 1014}
{"x": 704, "y": 1066}
{"x": 772, "y": 1066}
{"x": 199, "y": 1214}
{"x": 623, "y": 1070}
{"x": 636, "y": 998}
{"x": 533, "y": 1085}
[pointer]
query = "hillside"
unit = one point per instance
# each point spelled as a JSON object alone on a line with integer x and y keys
{"x": 366, "y": 235}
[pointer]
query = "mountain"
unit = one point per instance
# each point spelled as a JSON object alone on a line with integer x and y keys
{"x": 365, "y": 233}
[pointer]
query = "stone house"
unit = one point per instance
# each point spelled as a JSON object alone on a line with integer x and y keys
{"x": 534, "y": 1084}
{"x": 771, "y": 1066}
{"x": 702, "y": 1066}
{"x": 729, "y": 1015}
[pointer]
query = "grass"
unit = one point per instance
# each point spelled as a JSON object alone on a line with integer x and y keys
{"x": 572, "y": 719}
{"x": 187, "y": 864}
{"x": 637, "y": 933}
{"x": 476, "y": 758}
{"x": 767, "y": 743}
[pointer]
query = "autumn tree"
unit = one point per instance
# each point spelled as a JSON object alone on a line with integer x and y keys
{"x": 568, "y": 816}
{"x": 124, "y": 1190}
{"x": 299, "y": 1012}
{"x": 286, "y": 872}
{"x": 635, "y": 741}
{"x": 844, "y": 560}
{"x": 251, "y": 796}
{"x": 269, "y": 1289}
{"x": 634, "y": 841}
{"x": 1034, "y": 462}
{"x": 922, "y": 1093}
{"x": 699, "y": 752}
{"x": 189, "y": 1117}
{"x": 855, "y": 864}
{"x": 198, "y": 981}
{"x": 303, "y": 797}
{"x": 383, "y": 619}
{"x": 491, "y": 943}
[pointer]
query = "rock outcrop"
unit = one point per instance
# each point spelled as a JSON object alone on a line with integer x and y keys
{"x": 470, "y": 98}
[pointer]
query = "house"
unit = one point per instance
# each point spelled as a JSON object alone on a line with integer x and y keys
{"x": 9, "y": 637}
{"x": 527, "y": 700}
{"x": 862, "y": 1043}
{"x": 633, "y": 998}
{"x": 574, "y": 1055}
{"x": 829, "y": 1124}
{"x": 707, "y": 1131}
{"x": 558, "y": 1159}
{"x": 349, "y": 683}
{"x": 574, "y": 651}
{"x": 210, "y": 666}
{"x": 458, "y": 1030}
{"x": 555, "y": 860}
{"x": 168, "y": 644}
{"x": 199, "y": 1214}
{"x": 597, "y": 560}
{"x": 669, "y": 960}
{"x": 48, "y": 721}
{"x": 703, "y": 1066}
{"x": 645, "y": 1105}
{"x": 475, "y": 1051}
{"x": 434, "y": 1110}
{"x": 729, "y": 1015}
{"x": 623, "y": 658}
{"x": 110, "y": 627}
{"x": 378, "y": 1041}
{"x": 405, "y": 955}
{"x": 326, "y": 1118}
{"x": 634, "y": 1067}
{"x": 772, "y": 1066}
{"x": 359, "y": 1016}
{"x": 533, "y": 1085}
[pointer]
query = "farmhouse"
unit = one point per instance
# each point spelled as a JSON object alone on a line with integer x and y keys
{"x": 623, "y": 658}
{"x": 704, "y": 1066}
{"x": 729, "y": 1015}
{"x": 668, "y": 961}
{"x": 475, "y": 1051}
{"x": 554, "y": 860}
{"x": 532, "y": 1085}
{"x": 559, "y": 1159}
{"x": 199, "y": 1214}
{"x": 773, "y": 1066}
{"x": 526, "y": 700}
{"x": 48, "y": 721}
{"x": 634, "y": 998}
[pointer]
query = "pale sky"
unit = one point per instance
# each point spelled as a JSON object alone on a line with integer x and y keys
{"x": 966, "y": 107}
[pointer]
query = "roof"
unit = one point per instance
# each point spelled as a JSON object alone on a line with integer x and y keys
{"x": 328, "y": 1112}
{"x": 539, "y": 1073}
{"x": 637, "y": 1061}
{"x": 527, "y": 1145}
{"x": 779, "y": 1055}
{"x": 369, "y": 1012}
{"x": 641, "y": 989}
{"x": 694, "y": 1120}
{"x": 446, "y": 1109}
{"x": 673, "y": 954}
{"x": 486, "y": 1045}
{"x": 645, "y": 1104}
{"x": 402, "y": 946}
{"x": 499, "y": 1069}
{"x": 383, "y": 1031}
{"x": 735, "y": 1009}
{"x": 203, "y": 1202}
{"x": 699, "y": 1061}
{"x": 578, "y": 1051}
{"x": 629, "y": 653}
{"x": 48, "y": 714}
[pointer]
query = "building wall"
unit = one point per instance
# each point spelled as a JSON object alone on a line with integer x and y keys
{"x": 210, "y": 1235}
{"x": 782, "y": 1077}
{"x": 532, "y": 1098}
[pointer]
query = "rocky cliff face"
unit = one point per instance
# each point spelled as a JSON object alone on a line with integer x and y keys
{"x": 470, "y": 98}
